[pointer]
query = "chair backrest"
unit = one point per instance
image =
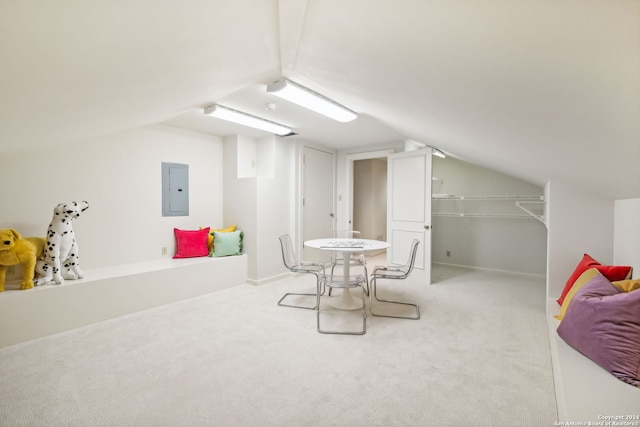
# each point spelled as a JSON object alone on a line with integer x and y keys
{"x": 288, "y": 255}
{"x": 399, "y": 272}
{"x": 408, "y": 267}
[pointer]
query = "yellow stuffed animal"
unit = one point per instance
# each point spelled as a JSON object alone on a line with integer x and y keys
{"x": 17, "y": 250}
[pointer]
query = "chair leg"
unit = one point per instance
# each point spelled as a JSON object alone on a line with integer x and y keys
{"x": 366, "y": 279}
{"x": 281, "y": 304}
{"x": 364, "y": 318}
{"x": 373, "y": 296}
{"x": 319, "y": 291}
{"x": 333, "y": 266}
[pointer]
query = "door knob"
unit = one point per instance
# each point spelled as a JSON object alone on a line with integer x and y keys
{"x": 426, "y": 227}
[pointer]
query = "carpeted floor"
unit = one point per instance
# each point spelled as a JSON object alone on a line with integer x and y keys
{"x": 479, "y": 356}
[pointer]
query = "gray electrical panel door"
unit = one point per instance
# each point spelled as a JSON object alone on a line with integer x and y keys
{"x": 175, "y": 189}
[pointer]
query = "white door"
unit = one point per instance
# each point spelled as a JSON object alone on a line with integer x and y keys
{"x": 409, "y": 209}
{"x": 317, "y": 200}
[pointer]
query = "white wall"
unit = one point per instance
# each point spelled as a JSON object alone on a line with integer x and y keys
{"x": 238, "y": 197}
{"x": 120, "y": 176}
{"x": 258, "y": 198}
{"x": 275, "y": 200}
{"x": 578, "y": 222}
{"x": 626, "y": 234}
{"x": 510, "y": 244}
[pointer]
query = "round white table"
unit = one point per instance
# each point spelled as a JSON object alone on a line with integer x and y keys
{"x": 347, "y": 247}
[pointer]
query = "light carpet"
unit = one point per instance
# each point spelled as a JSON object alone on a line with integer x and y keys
{"x": 479, "y": 356}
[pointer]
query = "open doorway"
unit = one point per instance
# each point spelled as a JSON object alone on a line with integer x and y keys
{"x": 479, "y": 222}
{"x": 399, "y": 171}
{"x": 370, "y": 198}
{"x": 357, "y": 204}
{"x": 366, "y": 180}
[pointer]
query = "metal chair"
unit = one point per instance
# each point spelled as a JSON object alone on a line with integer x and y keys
{"x": 393, "y": 272}
{"x": 293, "y": 264}
{"x": 345, "y": 284}
{"x": 356, "y": 259}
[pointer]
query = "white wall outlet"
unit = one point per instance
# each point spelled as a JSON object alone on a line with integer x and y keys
{"x": 164, "y": 250}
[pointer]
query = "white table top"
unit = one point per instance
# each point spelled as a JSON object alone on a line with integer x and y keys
{"x": 347, "y": 245}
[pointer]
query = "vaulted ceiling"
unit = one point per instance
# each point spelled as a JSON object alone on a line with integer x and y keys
{"x": 532, "y": 88}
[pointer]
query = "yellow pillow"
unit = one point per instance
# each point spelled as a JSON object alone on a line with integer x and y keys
{"x": 210, "y": 236}
{"x": 579, "y": 283}
{"x": 627, "y": 285}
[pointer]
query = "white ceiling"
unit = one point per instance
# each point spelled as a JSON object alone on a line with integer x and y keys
{"x": 532, "y": 88}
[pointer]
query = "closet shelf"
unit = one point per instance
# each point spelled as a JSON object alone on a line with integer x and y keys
{"x": 523, "y": 203}
{"x": 480, "y": 215}
{"x": 513, "y": 198}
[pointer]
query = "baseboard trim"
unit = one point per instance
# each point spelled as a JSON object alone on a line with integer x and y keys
{"x": 495, "y": 270}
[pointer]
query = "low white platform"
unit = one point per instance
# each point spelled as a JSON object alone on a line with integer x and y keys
{"x": 109, "y": 292}
{"x": 584, "y": 391}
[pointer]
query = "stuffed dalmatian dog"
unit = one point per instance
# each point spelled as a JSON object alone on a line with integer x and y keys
{"x": 59, "y": 260}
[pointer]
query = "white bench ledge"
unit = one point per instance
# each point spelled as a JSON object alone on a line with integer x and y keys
{"x": 584, "y": 390}
{"x": 109, "y": 292}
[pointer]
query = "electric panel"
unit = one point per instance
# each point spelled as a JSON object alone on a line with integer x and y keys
{"x": 175, "y": 189}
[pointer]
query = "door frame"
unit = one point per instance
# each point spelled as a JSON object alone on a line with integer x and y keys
{"x": 347, "y": 222}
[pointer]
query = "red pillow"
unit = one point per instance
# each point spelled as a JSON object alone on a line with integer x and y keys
{"x": 611, "y": 272}
{"x": 191, "y": 243}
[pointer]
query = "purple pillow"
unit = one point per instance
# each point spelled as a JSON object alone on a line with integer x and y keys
{"x": 603, "y": 323}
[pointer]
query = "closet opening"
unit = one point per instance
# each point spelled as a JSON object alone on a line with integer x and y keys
{"x": 485, "y": 219}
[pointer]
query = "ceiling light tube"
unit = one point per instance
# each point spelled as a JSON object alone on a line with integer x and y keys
{"x": 245, "y": 119}
{"x": 309, "y": 99}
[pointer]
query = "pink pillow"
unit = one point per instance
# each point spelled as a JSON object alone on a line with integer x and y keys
{"x": 611, "y": 272}
{"x": 191, "y": 243}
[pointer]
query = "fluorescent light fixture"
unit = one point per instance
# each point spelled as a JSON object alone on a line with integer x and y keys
{"x": 309, "y": 99}
{"x": 245, "y": 119}
{"x": 438, "y": 153}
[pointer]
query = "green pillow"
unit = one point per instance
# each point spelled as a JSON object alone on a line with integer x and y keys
{"x": 227, "y": 243}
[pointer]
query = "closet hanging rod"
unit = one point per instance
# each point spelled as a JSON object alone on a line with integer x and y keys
{"x": 452, "y": 197}
{"x": 482, "y": 215}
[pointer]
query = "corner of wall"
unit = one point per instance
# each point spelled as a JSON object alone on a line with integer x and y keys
{"x": 626, "y": 231}
{"x": 578, "y": 222}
